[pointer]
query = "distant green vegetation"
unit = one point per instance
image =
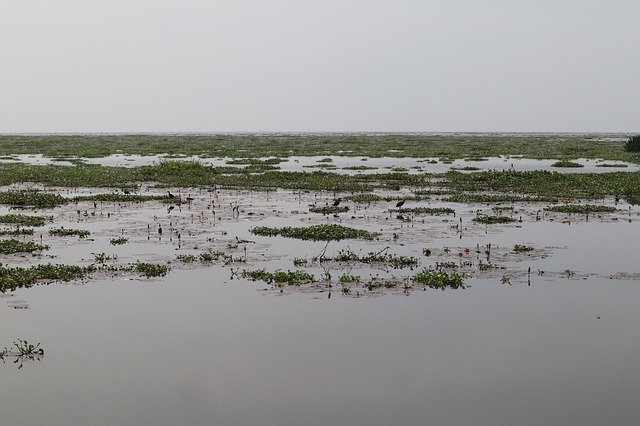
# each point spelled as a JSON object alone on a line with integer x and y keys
{"x": 434, "y": 211}
{"x": 438, "y": 279}
{"x": 445, "y": 147}
{"x": 23, "y": 220}
{"x": 522, "y": 248}
{"x": 118, "y": 241}
{"x": 633, "y": 144}
{"x": 492, "y": 220}
{"x": 124, "y": 198}
{"x": 332, "y": 232}
{"x": 363, "y": 198}
{"x": 581, "y": 208}
{"x": 16, "y": 232}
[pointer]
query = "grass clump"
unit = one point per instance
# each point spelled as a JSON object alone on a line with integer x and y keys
{"x": 16, "y": 232}
{"x": 491, "y": 220}
{"x": 31, "y": 199}
{"x": 329, "y": 209}
{"x": 150, "y": 270}
{"x": 279, "y": 277}
{"x": 522, "y": 248}
{"x": 347, "y": 278}
{"x": 393, "y": 260}
{"x": 14, "y": 278}
{"x": 23, "y": 220}
{"x": 581, "y": 208}
{"x": 126, "y": 198}
{"x": 118, "y": 241}
{"x": 566, "y": 164}
{"x": 67, "y": 232}
{"x": 329, "y": 232}
{"x": 15, "y": 246}
{"x": 434, "y": 211}
{"x": 438, "y": 279}
{"x": 363, "y": 198}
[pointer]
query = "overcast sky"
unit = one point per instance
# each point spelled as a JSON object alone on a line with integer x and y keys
{"x": 321, "y": 65}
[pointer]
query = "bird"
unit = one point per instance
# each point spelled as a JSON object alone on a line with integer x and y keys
{"x": 170, "y": 208}
{"x": 126, "y": 191}
{"x": 159, "y": 230}
{"x": 336, "y": 202}
{"x": 171, "y": 195}
{"x": 400, "y": 203}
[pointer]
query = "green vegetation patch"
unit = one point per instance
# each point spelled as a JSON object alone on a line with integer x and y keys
{"x": 279, "y": 277}
{"x": 522, "y": 248}
{"x": 15, "y": 246}
{"x": 566, "y": 164}
{"x": 434, "y": 211}
{"x": 491, "y": 220}
{"x": 14, "y": 278}
{"x": 150, "y": 270}
{"x": 16, "y": 232}
{"x": 393, "y": 260}
{"x": 363, "y": 198}
{"x": 329, "y": 209}
{"x": 439, "y": 280}
{"x": 330, "y": 232}
{"x": 31, "y": 199}
{"x": 118, "y": 241}
{"x": 581, "y": 208}
{"x": 23, "y": 220}
{"x": 67, "y": 232}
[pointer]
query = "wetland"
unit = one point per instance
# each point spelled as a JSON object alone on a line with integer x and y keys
{"x": 201, "y": 279}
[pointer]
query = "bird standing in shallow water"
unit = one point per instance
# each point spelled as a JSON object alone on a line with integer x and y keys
{"x": 171, "y": 195}
{"x": 336, "y": 202}
{"x": 400, "y": 203}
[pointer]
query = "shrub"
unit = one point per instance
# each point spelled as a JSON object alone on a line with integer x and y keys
{"x": 633, "y": 144}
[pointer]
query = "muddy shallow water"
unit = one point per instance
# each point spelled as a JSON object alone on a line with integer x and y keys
{"x": 197, "y": 347}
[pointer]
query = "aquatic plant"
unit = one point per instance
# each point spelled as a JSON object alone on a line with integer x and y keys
{"x": 16, "y": 232}
{"x": 347, "y": 278}
{"x": 150, "y": 270}
{"x": 24, "y": 220}
{"x": 14, "y": 278}
{"x": 438, "y": 279}
{"x": 15, "y": 246}
{"x": 126, "y": 198}
{"x": 566, "y": 163}
{"x": 434, "y": 211}
{"x": 118, "y": 241}
{"x": 326, "y": 232}
{"x": 329, "y": 209}
{"x": 363, "y": 198}
{"x": 581, "y": 208}
{"x": 522, "y": 248}
{"x": 382, "y": 256}
{"x": 491, "y": 220}
{"x": 67, "y": 232}
{"x": 279, "y": 276}
{"x": 31, "y": 199}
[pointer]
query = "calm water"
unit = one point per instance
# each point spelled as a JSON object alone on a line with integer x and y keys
{"x": 197, "y": 348}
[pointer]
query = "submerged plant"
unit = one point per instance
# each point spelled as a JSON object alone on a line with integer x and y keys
{"x": 330, "y": 232}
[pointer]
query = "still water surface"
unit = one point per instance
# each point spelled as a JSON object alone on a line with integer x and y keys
{"x": 195, "y": 348}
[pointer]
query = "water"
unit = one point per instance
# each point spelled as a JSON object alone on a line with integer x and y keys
{"x": 199, "y": 348}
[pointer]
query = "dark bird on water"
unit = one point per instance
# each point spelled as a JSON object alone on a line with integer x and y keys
{"x": 159, "y": 230}
{"x": 171, "y": 195}
{"x": 400, "y": 203}
{"x": 336, "y": 202}
{"x": 170, "y": 208}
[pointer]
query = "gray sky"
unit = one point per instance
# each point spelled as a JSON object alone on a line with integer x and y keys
{"x": 323, "y": 65}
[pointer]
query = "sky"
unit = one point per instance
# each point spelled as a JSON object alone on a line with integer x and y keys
{"x": 319, "y": 66}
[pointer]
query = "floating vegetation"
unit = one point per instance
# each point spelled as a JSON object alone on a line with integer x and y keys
{"x": 279, "y": 277}
{"x": 24, "y": 220}
{"x": 446, "y": 265}
{"x": 363, "y": 198}
{"x": 126, "y": 198}
{"x": 329, "y": 232}
{"x": 347, "y": 278}
{"x": 31, "y": 199}
{"x": 359, "y": 168}
{"x": 491, "y": 198}
{"x": 329, "y": 209}
{"x": 382, "y": 256}
{"x": 581, "y": 208}
{"x": 434, "y": 211}
{"x": 15, "y": 246}
{"x": 483, "y": 266}
{"x": 16, "y": 232}
{"x": 102, "y": 258}
{"x": 325, "y": 160}
{"x": 439, "y": 279}
{"x": 256, "y": 161}
{"x": 206, "y": 257}
{"x": 22, "y": 351}
{"x": 566, "y": 164}
{"x": 118, "y": 241}
{"x": 14, "y": 278}
{"x": 491, "y": 220}
{"x": 612, "y": 165}
{"x": 466, "y": 168}
{"x": 150, "y": 270}
{"x": 67, "y": 232}
{"x": 522, "y": 248}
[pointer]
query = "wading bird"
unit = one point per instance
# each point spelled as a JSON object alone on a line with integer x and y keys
{"x": 400, "y": 203}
